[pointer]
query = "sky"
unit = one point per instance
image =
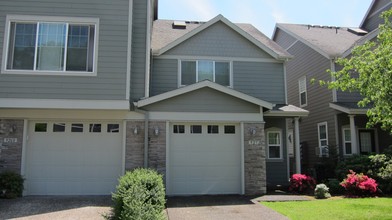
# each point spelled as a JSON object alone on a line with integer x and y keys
{"x": 264, "y": 14}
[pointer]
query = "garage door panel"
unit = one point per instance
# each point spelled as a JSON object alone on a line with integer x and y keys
{"x": 72, "y": 163}
{"x": 204, "y": 163}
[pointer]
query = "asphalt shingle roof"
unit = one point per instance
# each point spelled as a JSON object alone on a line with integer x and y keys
{"x": 333, "y": 41}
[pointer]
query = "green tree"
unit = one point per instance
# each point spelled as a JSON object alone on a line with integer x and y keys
{"x": 369, "y": 71}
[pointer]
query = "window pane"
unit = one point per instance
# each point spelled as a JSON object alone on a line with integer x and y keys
{"x": 95, "y": 128}
{"x": 113, "y": 128}
{"x": 58, "y": 127}
{"x": 222, "y": 73}
{"x": 178, "y": 129}
{"x": 323, "y": 132}
{"x": 348, "y": 148}
{"x": 347, "y": 135}
{"x": 22, "y": 46}
{"x": 78, "y": 47}
{"x": 51, "y": 43}
{"x": 40, "y": 127}
{"x": 274, "y": 152}
{"x": 324, "y": 143}
{"x": 229, "y": 129}
{"x": 303, "y": 98}
{"x": 205, "y": 70}
{"x": 77, "y": 128}
{"x": 188, "y": 72}
{"x": 273, "y": 138}
{"x": 196, "y": 129}
{"x": 213, "y": 129}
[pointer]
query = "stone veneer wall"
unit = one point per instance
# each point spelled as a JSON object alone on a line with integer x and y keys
{"x": 157, "y": 147}
{"x": 255, "y": 159}
{"x": 11, "y": 143}
{"x": 134, "y": 150}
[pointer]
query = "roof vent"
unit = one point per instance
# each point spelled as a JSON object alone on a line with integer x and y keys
{"x": 179, "y": 25}
{"x": 357, "y": 31}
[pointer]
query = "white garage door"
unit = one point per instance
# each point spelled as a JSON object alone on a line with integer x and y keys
{"x": 73, "y": 158}
{"x": 204, "y": 159}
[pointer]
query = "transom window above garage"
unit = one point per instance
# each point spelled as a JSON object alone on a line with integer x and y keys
{"x": 50, "y": 45}
{"x": 193, "y": 71}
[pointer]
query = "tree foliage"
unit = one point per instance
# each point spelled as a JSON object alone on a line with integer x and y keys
{"x": 369, "y": 71}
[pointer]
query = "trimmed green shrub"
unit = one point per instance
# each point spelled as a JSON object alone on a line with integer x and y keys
{"x": 321, "y": 191}
{"x": 140, "y": 195}
{"x": 334, "y": 187}
{"x": 358, "y": 163}
{"x": 11, "y": 185}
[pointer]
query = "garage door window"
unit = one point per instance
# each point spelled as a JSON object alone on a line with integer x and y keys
{"x": 178, "y": 129}
{"x": 196, "y": 129}
{"x": 113, "y": 128}
{"x": 77, "y": 128}
{"x": 213, "y": 129}
{"x": 95, "y": 128}
{"x": 229, "y": 129}
{"x": 59, "y": 127}
{"x": 40, "y": 127}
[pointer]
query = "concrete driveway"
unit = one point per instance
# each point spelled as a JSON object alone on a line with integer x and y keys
{"x": 55, "y": 207}
{"x": 219, "y": 207}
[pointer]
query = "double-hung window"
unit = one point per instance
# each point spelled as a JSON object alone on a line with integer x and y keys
{"x": 323, "y": 138}
{"x": 274, "y": 142}
{"x": 50, "y": 45}
{"x": 347, "y": 141}
{"x": 195, "y": 71}
{"x": 303, "y": 99}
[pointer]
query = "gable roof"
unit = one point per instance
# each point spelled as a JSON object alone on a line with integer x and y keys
{"x": 329, "y": 41}
{"x": 375, "y": 6}
{"x": 164, "y": 37}
{"x": 199, "y": 85}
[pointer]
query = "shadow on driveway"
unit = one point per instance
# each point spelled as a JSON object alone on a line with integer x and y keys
{"x": 55, "y": 207}
{"x": 228, "y": 207}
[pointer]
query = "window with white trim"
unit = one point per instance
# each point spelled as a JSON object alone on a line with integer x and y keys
{"x": 347, "y": 141}
{"x": 193, "y": 71}
{"x": 274, "y": 144}
{"x": 323, "y": 138}
{"x": 50, "y": 45}
{"x": 303, "y": 99}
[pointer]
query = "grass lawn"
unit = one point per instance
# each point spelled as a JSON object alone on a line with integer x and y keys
{"x": 366, "y": 208}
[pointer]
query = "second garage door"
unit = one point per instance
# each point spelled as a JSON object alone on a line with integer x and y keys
{"x": 204, "y": 158}
{"x": 73, "y": 158}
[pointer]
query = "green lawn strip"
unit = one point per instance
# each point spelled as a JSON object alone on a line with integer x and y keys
{"x": 366, "y": 208}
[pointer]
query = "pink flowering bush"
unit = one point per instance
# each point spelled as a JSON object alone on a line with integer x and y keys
{"x": 359, "y": 185}
{"x": 302, "y": 184}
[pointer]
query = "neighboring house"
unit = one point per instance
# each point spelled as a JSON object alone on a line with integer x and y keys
{"x": 335, "y": 116}
{"x": 89, "y": 91}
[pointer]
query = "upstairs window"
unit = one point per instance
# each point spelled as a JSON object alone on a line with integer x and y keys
{"x": 50, "y": 46}
{"x": 303, "y": 99}
{"x": 196, "y": 71}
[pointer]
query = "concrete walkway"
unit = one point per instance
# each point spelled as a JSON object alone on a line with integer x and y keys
{"x": 225, "y": 207}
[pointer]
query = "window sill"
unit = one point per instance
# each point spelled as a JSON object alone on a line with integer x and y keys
{"x": 48, "y": 73}
{"x": 277, "y": 160}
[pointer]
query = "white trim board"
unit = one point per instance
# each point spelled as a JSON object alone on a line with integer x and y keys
{"x": 64, "y": 104}
{"x": 350, "y": 111}
{"x": 207, "y": 116}
{"x": 234, "y": 59}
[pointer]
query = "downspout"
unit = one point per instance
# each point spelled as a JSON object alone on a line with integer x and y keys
{"x": 146, "y": 120}
{"x": 148, "y": 51}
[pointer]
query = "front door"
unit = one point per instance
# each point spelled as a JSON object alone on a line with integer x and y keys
{"x": 366, "y": 141}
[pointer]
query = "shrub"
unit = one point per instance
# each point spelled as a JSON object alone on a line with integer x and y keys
{"x": 301, "y": 183}
{"x": 321, "y": 192}
{"x": 381, "y": 170}
{"x": 11, "y": 185}
{"x": 334, "y": 187}
{"x": 359, "y": 185}
{"x": 140, "y": 195}
{"x": 359, "y": 163}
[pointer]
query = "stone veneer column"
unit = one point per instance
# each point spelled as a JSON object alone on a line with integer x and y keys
{"x": 254, "y": 155}
{"x": 157, "y": 146}
{"x": 134, "y": 150}
{"x": 11, "y": 144}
